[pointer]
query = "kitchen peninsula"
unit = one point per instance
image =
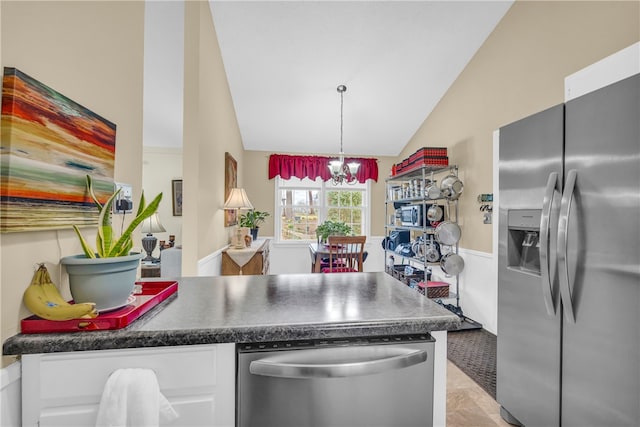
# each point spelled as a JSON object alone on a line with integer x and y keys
{"x": 189, "y": 340}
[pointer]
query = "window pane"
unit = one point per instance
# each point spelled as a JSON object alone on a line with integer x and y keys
{"x": 300, "y": 226}
{"x": 303, "y": 204}
{"x": 333, "y": 198}
{"x": 299, "y": 213}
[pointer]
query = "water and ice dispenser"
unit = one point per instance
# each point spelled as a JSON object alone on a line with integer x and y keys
{"x": 524, "y": 240}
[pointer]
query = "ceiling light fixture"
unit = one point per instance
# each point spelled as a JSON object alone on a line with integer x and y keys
{"x": 341, "y": 172}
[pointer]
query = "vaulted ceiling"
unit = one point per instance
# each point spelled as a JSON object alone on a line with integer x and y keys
{"x": 285, "y": 59}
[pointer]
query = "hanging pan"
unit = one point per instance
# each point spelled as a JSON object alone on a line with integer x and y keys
{"x": 432, "y": 253}
{"x": 434, "y": 213}
{"x": 451, "y": 187}
{"x": 452, "y": 264}
{"x": 448, "y": 233}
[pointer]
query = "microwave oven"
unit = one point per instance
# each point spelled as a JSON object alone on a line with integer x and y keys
{"x": 411, "y": 215}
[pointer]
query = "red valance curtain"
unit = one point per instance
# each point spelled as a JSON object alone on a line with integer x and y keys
{"x": 317, "y": 166}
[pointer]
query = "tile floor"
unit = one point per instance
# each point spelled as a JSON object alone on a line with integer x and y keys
{"x": 468, "y": 405}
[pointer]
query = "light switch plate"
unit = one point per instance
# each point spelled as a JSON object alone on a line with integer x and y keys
{"x": 124, "y": 202}
{"x": 487, "y": 218}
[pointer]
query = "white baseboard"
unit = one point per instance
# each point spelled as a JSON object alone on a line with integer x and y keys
{"x": 479, "y": 288}
{"x": 211, "y": 265}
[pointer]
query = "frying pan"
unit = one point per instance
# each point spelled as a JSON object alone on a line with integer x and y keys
{"x": 448, "y": 233}
{"x": 451, "y": 187}
{"x": 434, "y": 213}
{"x": 452, "y": 264}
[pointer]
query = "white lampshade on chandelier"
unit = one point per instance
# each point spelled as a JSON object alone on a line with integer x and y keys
{"x": 341, "y": 172}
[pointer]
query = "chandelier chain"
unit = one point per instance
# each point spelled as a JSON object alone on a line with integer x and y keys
{"x": 341, "y": 172}
{"x": 341, "y": 116}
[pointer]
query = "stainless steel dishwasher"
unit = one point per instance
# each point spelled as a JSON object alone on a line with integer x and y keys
{"x": 382, "y": 381}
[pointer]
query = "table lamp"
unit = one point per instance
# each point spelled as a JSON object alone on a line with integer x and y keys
{"x": 149, "y": 226}
{"x": 238, "y": 200}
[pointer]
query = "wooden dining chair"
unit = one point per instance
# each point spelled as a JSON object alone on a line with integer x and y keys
{"x": 346, "y": 254}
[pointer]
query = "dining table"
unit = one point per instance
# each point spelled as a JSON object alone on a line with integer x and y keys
{"x": 318, "y": 251}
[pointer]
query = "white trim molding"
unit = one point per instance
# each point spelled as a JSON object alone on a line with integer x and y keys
{"x": 11, "y": 395}
{"x": 615, "y": 67}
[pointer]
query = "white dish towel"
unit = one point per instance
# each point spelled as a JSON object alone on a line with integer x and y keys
{"x": 132, "y": 397}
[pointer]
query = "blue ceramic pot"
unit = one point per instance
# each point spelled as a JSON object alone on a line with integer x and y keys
{"x": 108, "y": 282}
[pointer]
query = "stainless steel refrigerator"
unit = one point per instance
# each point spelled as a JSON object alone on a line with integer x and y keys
{"x": 568, "y": 351}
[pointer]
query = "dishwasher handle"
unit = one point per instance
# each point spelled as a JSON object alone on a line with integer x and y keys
{"x": 280, "y": 367}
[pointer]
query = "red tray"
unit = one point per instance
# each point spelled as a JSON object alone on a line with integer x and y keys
{"x": 152, "y": 294}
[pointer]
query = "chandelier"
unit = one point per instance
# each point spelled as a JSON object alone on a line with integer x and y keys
{"x": 341, "y": 172}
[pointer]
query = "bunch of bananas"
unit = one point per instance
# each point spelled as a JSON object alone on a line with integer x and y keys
{"x": 43, "y": 299}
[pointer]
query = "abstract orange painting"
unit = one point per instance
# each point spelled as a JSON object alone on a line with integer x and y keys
{"x": 49, "y": 144}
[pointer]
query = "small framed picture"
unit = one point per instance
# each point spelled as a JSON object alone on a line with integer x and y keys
{"x": 176, "y": 191}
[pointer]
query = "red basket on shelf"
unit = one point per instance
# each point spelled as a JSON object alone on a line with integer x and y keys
{"x": 437, "y": 289}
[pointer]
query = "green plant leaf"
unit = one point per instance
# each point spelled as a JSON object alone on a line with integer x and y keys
{"x": 141, "y": 204}
{"x": 104, "y": 238}
{"x": 91, "y": 192}
{"x": 253, "y": 218}
{"x": 106, "y": 247}
{"x": 126, "y": 248}
{"x": 85, "y": 245}
{"x": 146, "y": 213}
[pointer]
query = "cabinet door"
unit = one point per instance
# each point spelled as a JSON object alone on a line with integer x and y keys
{"x": 193, "y": 411}
{"x": 64, "y": 389}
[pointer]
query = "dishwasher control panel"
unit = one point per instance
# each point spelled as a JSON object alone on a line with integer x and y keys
{"x": 333, "y": 342}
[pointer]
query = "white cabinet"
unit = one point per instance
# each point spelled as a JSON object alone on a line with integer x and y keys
{"x": 64, "y": 389}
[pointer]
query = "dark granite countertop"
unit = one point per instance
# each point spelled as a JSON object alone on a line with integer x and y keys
{"x": 222, "y": 309}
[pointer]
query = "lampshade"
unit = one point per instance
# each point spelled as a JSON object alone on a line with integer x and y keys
{"x": 152, "y": 225}
{"x": 238, "y": 200}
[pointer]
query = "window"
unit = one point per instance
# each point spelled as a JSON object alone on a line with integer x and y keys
{"x": 302, "y": 204}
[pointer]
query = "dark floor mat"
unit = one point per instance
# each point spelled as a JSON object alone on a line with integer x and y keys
{"x": 474, "y": 352}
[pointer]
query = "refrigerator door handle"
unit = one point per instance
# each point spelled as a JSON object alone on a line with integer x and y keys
{"x": 547, "y": 268}
{"x": 563, "y": 236}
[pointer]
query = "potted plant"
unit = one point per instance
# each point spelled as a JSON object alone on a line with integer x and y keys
{"x": 106, "y": 275}
{"x": 332, "y": 228}
{"x": 252, "y": 219}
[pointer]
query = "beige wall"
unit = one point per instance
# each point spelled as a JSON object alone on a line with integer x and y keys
{"x": 210, "y": 130}
{"x": 518, "y": 71}
{"x": 92, "y": 53}
{"x": 160, "y": 166}
{"x": 260, "y": 189}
